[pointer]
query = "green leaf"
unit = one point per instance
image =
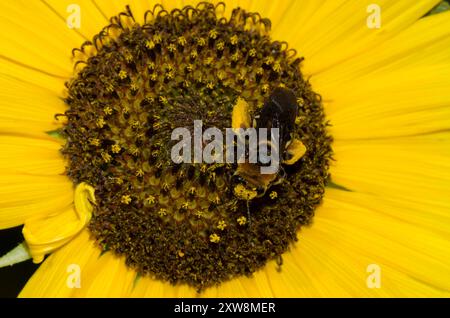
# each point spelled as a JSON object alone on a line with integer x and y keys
{"x": 441, "y": 7}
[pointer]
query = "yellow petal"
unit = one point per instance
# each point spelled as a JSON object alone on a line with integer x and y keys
{"x": 412, "y": 169}
{"x": 327, "y": 33}
{"x": 424, "y": 44}
{"x": 25, "y": 196}
{"x": 37, "y": 37}
{"x": 32, "y": 111}
{"x": 46, "y": 234}
{"x": 56, "y": 276}
{"x": 148, "y": 287}
{"x": 113, "y": 280}
{"x": 31, "y": 156}
{"x": 408, "y": 102}
{"x": 347, "y": 238}
{"x": 92, "y": 19}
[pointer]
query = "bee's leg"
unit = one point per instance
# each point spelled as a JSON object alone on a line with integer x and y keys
{"x": 295, "y": 151}
{"x": 281, "y": 176}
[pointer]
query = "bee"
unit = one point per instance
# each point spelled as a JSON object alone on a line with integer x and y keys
{"x": 279, "y": 111}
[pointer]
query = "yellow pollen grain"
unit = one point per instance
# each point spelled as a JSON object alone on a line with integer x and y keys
{"x": 276, "y": 67}
{"x": 150, "y": 199}
{"x": 123, "y": 74}
{"x": 201, "y": 41}
{"x": 94, "y": 142}
{"x": 107, "y": 110}
{"x": 185, "y": 206}
{"x": 126, "y": 199}
{"x": 135, "y": 124}
{"x": 213, "y": 34}
{"x": 199, "y": 214}
{"x": 109, "y": 87}
{"x": 140, "y": 173}
{"x": 171, "y": 48}
{"x": 214, "y": 238}
{"x": 252, "y": 52}
{"x": 234, "y": 39}
{"x": 134, "y": 151}
{"x": 273, "y": 195}
{"x": 100, "y": 122}
{"x": 116, "y": 148}
{"x": 149, "y": 44}
{"x": 265, "y": 88}
{"x": 220, "y": 75}
{"x": 220, "y": 46}
{"x": 242, "y": 220}
{"x": 235, "y": 56}
{"x": 106, "y": 157}
{"x": 182, "y": 41}
{"x": 222, "y": 225}
{"x": 162, "y": 212}
{"x": 269, "y": 60}
{"x": 170, "y": 75}
{"x": 134, "y": 87}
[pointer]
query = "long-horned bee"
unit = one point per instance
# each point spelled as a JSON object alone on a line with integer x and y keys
{"x": 279, "y": 111}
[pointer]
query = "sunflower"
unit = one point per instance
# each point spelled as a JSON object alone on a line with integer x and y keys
{"x": 91, "y": 91}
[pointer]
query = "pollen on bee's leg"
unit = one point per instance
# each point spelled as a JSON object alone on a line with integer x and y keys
{"x": 296, "y": 150}
{"x": 135, "y": 84}
{"x": 240, "y": 117}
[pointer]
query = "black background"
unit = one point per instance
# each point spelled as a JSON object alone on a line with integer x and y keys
{"x": 13, "y": 278}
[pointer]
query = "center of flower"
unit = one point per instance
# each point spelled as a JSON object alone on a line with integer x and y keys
{"x": 184, "y": 223}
